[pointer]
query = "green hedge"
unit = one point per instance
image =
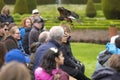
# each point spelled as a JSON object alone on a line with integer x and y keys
{"x": 1, "y": 4}
{"x": 98, "y": 22}
{"x": 41, "y": 2}
{"x": 111, "y": 9}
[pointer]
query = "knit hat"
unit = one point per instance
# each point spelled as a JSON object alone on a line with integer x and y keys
{"x": 16, "y": 55}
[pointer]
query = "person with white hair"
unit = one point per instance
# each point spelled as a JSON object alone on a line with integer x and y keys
{"x": 44, "y": 37}
{"x": 56, "y": 34}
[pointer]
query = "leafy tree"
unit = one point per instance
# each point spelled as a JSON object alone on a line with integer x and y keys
{"x": 21, "y": 7}
{"x": 90, "y": 9}
{"x": 111, "y": 9}
{"x": 9, "y": 1}
{"x": 1, "y": 4}
{"x": 31, "y": 4}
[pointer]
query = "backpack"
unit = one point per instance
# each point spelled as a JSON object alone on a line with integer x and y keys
{"x": 104, "y": 56}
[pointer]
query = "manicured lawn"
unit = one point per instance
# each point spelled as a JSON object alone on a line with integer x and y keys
{"x": 87, "y": 53}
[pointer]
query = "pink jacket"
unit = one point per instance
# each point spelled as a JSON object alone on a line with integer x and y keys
{"x": 41, "y": 74}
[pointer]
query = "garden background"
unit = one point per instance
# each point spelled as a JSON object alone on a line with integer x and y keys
{"x": 90, "y": 19}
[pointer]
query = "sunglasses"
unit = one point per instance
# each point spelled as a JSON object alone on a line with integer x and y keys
{"x": 36, "y": 13}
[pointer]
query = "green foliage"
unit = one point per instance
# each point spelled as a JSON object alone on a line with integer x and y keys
{"x": 87, "y": 53}
{"x": 50, "y": 13}
{"x": 97, "y": 1}
{"x": 31, "y": 4}
{"x": 21, "y": 7}
{"x": 98, "y": 6}
{"x": 41, "y": 2}
{"x": 1, "y": 4}
{"x": 9, "y": 1}
{"x": 74, "y": 1}
{"x": 65, "y": 1}
{"x": 90, "y": 9}
{"x": 111, "y": 9}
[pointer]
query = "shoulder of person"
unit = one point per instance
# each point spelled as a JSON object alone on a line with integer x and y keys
{"x": 103, "y": 74}
{"x": 104, "y": 56}
{"x": 41, "y": 74}
{"x": 59, "y": 71}
{"x": 60, "y": 74}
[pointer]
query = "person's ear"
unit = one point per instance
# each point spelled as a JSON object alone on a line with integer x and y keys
{"x": 56, "y": 59}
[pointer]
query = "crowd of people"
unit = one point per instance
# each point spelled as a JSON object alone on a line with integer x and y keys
{"x": 30, "y": 52}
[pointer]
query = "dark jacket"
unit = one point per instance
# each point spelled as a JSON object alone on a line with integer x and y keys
{"x": 106, "y": 74}
{"x": 11, "y": 43}
{"x": 42, "y": 49}
{"x": 67, "y": 53}
{"x": 25, "y": 40}
{"x": 70, "y": 63}
{"x": 6, "y": 18}
{"x": 34, "y": 34}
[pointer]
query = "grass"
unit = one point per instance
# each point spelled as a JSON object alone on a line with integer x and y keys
{"x": 50, "y": 13}
{"x": 87, "y": 53}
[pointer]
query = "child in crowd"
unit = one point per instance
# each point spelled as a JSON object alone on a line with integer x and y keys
{"x": 49, "y": 69}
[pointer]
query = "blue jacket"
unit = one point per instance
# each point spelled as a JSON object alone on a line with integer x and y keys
{"x": 112, "y": 48}
{"x": 22, "y": 33}
{"x": 42, "y": 49}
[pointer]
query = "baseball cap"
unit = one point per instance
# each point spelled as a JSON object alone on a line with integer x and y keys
{"x": 37, "y": 21}
{"x": 35, "y": 11}
{"x": 16, "y": 55}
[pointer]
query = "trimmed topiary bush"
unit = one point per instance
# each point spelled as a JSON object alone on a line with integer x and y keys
{"x": 90, "y": 9}
{"x": 111, "y": 9}
{"x": 21, "y": 7}
{"x": 1, "y": 4}
{"x": 31, "y": 4}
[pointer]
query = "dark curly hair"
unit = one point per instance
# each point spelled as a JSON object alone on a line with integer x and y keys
{"x": 48, "y": 61}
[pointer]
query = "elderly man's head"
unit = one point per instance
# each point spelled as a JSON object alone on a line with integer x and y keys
{"x": 56, "y": 33}
{"x": 44, "y": 37}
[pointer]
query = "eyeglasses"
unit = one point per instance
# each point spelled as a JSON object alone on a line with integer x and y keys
{"x": 17, "y": 33}
{"x": 36, "y": 13}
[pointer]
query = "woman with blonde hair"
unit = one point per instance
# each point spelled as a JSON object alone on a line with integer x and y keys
{"x": 19, "y": 72}
{"x": 5, "y": 16}
{"x": 12, "y": 38}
